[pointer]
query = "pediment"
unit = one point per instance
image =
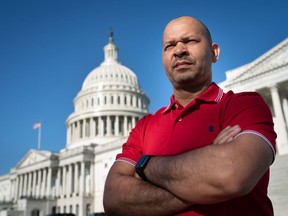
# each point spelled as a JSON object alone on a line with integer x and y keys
{"x": 33, "y": 157}
{"x": 269, "y": 62}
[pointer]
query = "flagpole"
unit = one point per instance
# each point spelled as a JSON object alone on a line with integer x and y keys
{"x": 39, "y": 138}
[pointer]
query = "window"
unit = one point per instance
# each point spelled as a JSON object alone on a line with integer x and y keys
{"x": 112, "y": 99}
{"x": 35, "y": 212}
{"x": 88, "y": 209}
{"x": 77, "y": 209}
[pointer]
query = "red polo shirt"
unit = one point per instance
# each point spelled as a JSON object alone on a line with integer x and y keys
{"x": 177, "y": 129}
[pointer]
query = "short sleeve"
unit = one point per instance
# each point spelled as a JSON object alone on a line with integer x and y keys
{"x": 252, "y": 114}
{"x": 132, "y": 148}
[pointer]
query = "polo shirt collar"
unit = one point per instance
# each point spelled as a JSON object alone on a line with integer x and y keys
{"x": 213, "y": 94}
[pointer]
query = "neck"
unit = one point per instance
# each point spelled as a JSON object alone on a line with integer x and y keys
{"x": 184, "y": 97}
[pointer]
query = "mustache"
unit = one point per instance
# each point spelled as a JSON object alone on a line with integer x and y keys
{"x": 187, "y": 59}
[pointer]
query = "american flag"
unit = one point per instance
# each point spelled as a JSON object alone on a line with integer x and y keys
{"x": 36, "y": 125}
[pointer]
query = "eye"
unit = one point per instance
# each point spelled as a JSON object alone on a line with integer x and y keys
{"x": 191, "y": 41}
{"x": 168, "y": 46}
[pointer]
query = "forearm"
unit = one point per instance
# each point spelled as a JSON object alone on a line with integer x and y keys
{"x": 214, "y": 173}
{"x": 187, "y": 175}
{"x": 128, "y": 195}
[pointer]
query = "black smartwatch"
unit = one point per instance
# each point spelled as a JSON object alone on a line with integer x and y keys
{"x": 141, "y": 164}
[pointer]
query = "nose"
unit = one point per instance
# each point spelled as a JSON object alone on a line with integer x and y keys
{"x": 180, "y": 50}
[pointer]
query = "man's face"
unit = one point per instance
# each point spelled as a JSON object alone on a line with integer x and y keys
{"x": 187, "y": 54}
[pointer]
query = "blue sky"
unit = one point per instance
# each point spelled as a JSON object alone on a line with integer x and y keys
{"x": 48, "y": 47}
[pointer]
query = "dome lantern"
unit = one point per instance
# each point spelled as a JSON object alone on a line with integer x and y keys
{"x": 110, "y": 50}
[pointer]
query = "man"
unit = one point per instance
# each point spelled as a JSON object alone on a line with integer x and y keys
{"x": 207, "y": 153}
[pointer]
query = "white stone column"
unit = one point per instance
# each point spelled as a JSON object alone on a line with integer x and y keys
{"x": 77, "y": 132}
{"x": 133, "y": 122}
{"x": 92, "y": 127}
{"x": 49, "y": 186}
{"x": 76, "y": 177}
{"x": 139, "y": 102}
{"x": 282, "y": 145}
{"x": 92, "y": 178}
{"x": 129, "y": 125}
{"x": 12, "y": 189}
{"x": 125, "y": 126}
{"x": 34, "y": 184}
{"x": 43, "y": 182}
{"x": 58, "y": 181}
{"x": 96, "y": 126}
{"x": 84, "y": 128}
{"x": 69, "y": 180}
{"x": 134, "y": 101}
{"x": 17, "y": 187}
{"x": 29, "y": 184}
{"x": 64, "y": 181}
{"x": 38, "y": 183}
{"x": 101, "y": 126}
{"x": 285, "y": 110}
{"x": 108, "y": 126}
{"x": 116, "y": 125}
{"x": 82, "y": 179}
{"x": 25, "y": 185}
{"x": 20, "y": 185}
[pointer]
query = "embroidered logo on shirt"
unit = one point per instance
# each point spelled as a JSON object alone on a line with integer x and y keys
{"x": 211, "y": 128}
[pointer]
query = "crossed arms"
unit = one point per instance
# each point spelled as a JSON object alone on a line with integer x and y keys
{"x": 227, "y": 169}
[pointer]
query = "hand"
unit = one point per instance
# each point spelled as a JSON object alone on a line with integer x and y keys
{"x": 227, "y": 134}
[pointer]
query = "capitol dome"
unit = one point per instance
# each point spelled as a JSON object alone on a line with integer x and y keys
{"x": 109, "y": 104}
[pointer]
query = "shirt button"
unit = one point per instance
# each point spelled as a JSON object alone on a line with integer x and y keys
{"x": 179, "y": 119}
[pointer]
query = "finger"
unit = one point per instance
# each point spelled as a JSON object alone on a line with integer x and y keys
{"x": 227, "y": 135}
{"x": 221, "y": 135}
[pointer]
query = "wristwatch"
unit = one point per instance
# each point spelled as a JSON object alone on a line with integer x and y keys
{"x": 141, "y": 165}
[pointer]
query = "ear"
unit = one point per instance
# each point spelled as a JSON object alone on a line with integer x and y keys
{"x": 215, "y": 49}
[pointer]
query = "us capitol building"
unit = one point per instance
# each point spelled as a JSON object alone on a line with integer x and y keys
{"x": 107, "y": 107}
